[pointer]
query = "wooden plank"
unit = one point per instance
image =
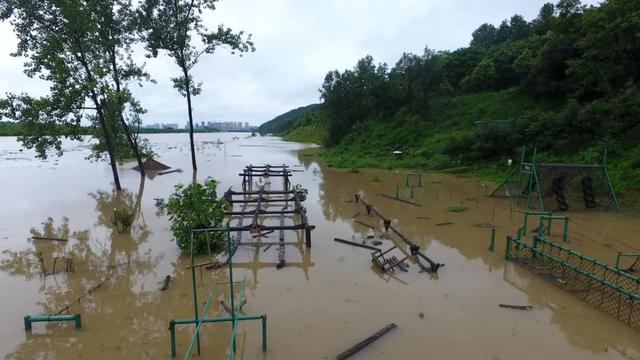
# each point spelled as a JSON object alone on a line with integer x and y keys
{"x": 364, "y": 343}
{"x": 364, "y": 224}
{"x": 48, "y": 238}
{"x": 364, "y": 246}
{"x": 401, "y": 200}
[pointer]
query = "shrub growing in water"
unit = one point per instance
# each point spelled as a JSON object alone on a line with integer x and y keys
{"x": 196, "y": 206}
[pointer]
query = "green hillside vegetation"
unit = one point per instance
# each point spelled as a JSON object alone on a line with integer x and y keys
{"x": 563, "y": 82}
{"x": 282, "y": 123}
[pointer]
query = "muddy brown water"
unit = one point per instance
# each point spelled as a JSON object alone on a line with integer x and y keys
{"x": 326, "y": 298}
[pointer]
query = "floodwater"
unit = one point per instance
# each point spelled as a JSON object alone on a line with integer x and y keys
{"x": 325, "y": 300}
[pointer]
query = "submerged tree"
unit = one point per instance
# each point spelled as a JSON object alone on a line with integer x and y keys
{"x": 172, "y": 25}
{"x": 82, "y": 48}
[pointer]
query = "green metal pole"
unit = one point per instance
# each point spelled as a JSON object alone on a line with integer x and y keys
{"x": 231, "y": 286}
{"x": 507, "y": 249}
{"x": 492, "y": 245}
{"x": 618, "y": 260}
{"x": 27, "y": 323}
{"x": 520, "y": 175}
{"x": 397, "y": 191}
{"x": 172, "y": 333}
{"x": 589, "y": 153}
{"x": 199, "y": 322}
{"x": 420, "y": 181}
{"x": 195, "y": 292}
{"x": 264, "y": 333}
{"x": 565, "y": 230}
{"x": 411, "y": 193}
{"x": 606, "y": 174}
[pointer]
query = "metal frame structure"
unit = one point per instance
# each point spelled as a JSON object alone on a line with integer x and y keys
{"x": 528, "y": 182}
{"x": 608, "y": 288}
{"x": 199, "y": 320}
{"x": 261, "y": 199}
{"x": 388, "y": 264}
{"x": 29, "y": 319}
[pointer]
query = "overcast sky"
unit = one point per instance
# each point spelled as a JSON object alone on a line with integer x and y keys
{"x": 297, "y": 42}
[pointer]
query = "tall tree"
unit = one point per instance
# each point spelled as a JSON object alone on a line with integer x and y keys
{"x": 177, "y": 27}
{"x": 117, "y": 21}
{"x": 58, "y": 39}
{"x": 83, "y": 49}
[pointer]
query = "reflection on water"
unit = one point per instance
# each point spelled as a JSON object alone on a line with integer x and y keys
{"x": 327, "y": 297}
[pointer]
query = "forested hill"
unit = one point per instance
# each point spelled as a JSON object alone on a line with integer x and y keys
{"x": 281, "y": 123}
{"x": 563, "y": 82}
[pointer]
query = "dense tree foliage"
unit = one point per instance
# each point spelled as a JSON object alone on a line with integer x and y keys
{"x": 584, "y": 61}
{"x": 83, "y": 50}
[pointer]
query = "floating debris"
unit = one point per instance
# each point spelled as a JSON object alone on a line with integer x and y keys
{"x": 444, "y": 223}
{"x": 152, "y": 165}
{"x": 352, "y": 243}
{"x": 364, "y": 343}
{"x": 364, "y": 224}
{"x": 517, "y": 307}
{"x": 485, "y": 225}
{"x": 170, "y": 171}
{"x": 165, "y": 283}
{"x": 48, "y": 238}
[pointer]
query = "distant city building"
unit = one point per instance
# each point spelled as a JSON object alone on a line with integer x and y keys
{"x": 222, "y": 126}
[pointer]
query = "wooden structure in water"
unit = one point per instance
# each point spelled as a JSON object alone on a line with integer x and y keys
{"x": 254, "y": 204}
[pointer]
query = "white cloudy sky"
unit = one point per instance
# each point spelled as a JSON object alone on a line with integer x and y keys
{"x": 297, "y": 42}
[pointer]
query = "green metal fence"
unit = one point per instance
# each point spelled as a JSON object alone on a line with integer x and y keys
{"x": 611, "y": 290}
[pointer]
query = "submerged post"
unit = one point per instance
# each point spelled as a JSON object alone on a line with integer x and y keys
{"x": 492, "y": 245}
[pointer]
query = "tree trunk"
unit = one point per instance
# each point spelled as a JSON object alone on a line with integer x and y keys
{"x": 102, "y": 120}
{"x": 193, "y": 148}
{"x": 133, "y": 144}
{"x": 107, "y": 137}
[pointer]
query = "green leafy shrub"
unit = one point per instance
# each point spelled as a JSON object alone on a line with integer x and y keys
{"x": 196, "y": 206}
{"x": 301, "y": 192}
{"x": 122, "y": 219}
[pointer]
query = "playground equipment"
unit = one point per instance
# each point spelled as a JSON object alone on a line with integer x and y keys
{"x": 562, "y": 187}
{"x": 199, "y": 320}
{"x": 409, "y": 176}
{"x": 610, "y": 289}
{"x": 29, "y": 319}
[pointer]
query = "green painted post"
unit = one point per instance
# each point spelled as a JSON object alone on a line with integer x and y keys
{"x": 27, "y": 323}
{"x": 618, "y": 260}
{"x": 492, "y": 246}
{"x": 507, "y": 249}
{"x": 78, "y": 322}
{"x": 420, "y": 181}
{"x": 264, "y": 333}
{"x": 519, "y": 190}
{"x": 195, "y": 292}
{"x": 397, "y": 192}
{"x": 411, "y": 192}
{"x": 589, "y": 153}
{"x": 606, "y": 175}
{"x": 406, "y": 180}
{"x": 565, "y": 230}
{"x": 172, "y": 332}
